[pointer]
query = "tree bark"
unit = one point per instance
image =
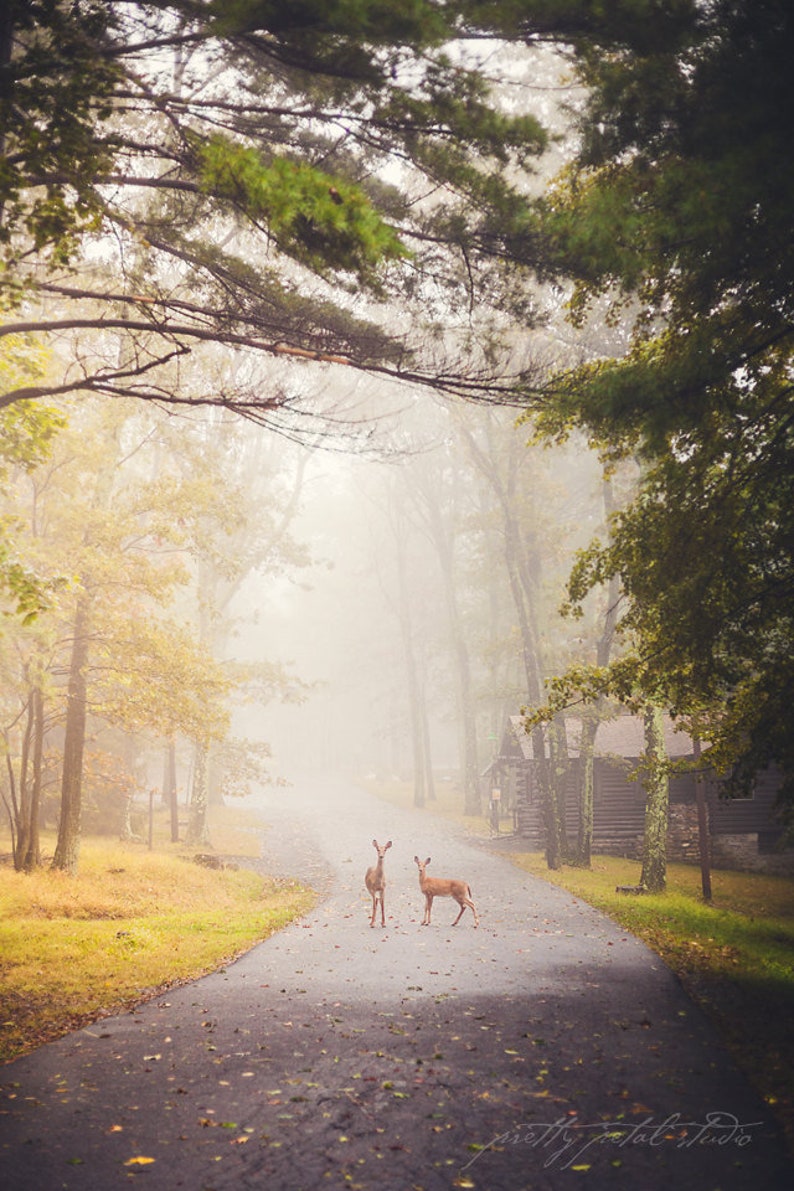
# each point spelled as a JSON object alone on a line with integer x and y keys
{"x": 32, "y": 858}
{"x": 198, "y": 826}
{"x": 502, "y": 476}
{"x": 657, "y": 800}
{"x": 170, "y": 791}
{"x": 416, "y": 717}
{"x": 584, "y": 843}
{"x": 67, "y": 849}
{"x": 704, "y": 841}
{"x": 427, "y": 748}
{"x": 441, "y": 534}
{"x": 583, "y": 858}
{"x": 23, "y": 809}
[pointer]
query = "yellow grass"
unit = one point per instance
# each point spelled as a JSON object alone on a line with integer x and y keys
{"x": 131, "y": 923}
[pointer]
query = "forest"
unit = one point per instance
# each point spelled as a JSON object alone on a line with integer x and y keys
{"x": 373, "y": 371}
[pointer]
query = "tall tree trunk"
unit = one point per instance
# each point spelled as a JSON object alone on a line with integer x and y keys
{"x": 502, "y": 473}
{"x": 67, "y": 848}
{"x": 126, "y": 819}
{"x": 25, "y": 794}
{"x": 704, "y": 840}
{"x": 23, "y": 810}
{"x": 32, "y": 857}
{"x": 657, "y": 801}
{"x": 169, "y": 789}
{"x": 583, "y": 857}
{"x": 584, "y": 843}
{"x": 427, "y": 749}
{"x": 12, "y": 807}
{"x": 198, "y": 826}
{"x": 442, "y": 536}
{"x": 559, "y": 766}
{"x": 416, "y": 716}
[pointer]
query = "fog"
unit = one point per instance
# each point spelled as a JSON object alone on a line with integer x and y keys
{"x": 373, "y": 600}
{"x": 408, "y": 594}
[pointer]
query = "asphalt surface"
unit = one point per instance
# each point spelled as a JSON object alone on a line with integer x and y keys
{"x": 545, "y": 1050}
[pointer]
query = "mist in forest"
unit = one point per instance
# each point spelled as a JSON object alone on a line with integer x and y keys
{"x": 235, "y": 606}
{"x": 403, "y": 629}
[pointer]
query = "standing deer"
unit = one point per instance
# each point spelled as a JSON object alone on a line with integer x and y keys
{"x": 443, "y": 887}
{"x": 375, "y": 881}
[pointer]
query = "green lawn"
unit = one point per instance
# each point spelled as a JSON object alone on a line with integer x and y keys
{"x": 128, "y": 925}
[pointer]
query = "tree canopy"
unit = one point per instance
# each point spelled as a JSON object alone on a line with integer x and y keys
{"x": 675, "y": 216}
{"x": 235, "y": 174}
{"x": 258, "y": 176}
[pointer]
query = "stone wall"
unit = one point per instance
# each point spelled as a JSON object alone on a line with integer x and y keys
{"x": 682, "y": 833}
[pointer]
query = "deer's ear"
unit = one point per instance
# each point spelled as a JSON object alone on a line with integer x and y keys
{"x": 417, "y": 860}
{"x": 374, "y": 843}
{"x": 427, "y": 861}
{"x": 389, "y": 844}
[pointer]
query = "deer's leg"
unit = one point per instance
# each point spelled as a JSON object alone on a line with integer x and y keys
{"x": 382, "y": 909}
{"x": 428, "y": 907}
{"x": 460, "y": 915}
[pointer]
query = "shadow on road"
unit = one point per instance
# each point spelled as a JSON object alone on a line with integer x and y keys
{"x": 545, "y": 1047}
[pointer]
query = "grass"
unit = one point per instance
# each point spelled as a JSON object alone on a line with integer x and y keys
{"x": 131, "y": 923}
{"x": 735, "y": 956}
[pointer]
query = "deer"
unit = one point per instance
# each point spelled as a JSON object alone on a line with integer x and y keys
{"x": 444, "y": 887}
{"x": 375, "y": 881}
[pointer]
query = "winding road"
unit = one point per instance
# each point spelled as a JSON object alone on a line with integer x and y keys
{"x": 547, "y": 1049}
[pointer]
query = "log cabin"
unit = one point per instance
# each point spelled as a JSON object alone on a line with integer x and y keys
{"x": 744, "y": 833}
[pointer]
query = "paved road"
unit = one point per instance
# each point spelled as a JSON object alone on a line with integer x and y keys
{"x": 545, "y": 1050}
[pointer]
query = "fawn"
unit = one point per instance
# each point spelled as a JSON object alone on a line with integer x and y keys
{"x": 375, "y": 881}
{"x": 443, "y": 887}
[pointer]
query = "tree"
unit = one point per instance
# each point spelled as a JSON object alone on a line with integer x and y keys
{"x": 657, "y": 799}
{"x": 593, "y": 715}
{"x": 503, "y": 464}
{"x": 403, "y": 599}
{"x": 675, "y": 214}
{"x": 103, "y": 653}
{"x": 27, "y": 432}
{"x": 436, "y": 496}
{"x": 234, "y": 195}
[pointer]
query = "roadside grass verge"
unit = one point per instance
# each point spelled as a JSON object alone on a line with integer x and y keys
{"x": 734, "y": 956}
{"x": 130, "y": 924}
